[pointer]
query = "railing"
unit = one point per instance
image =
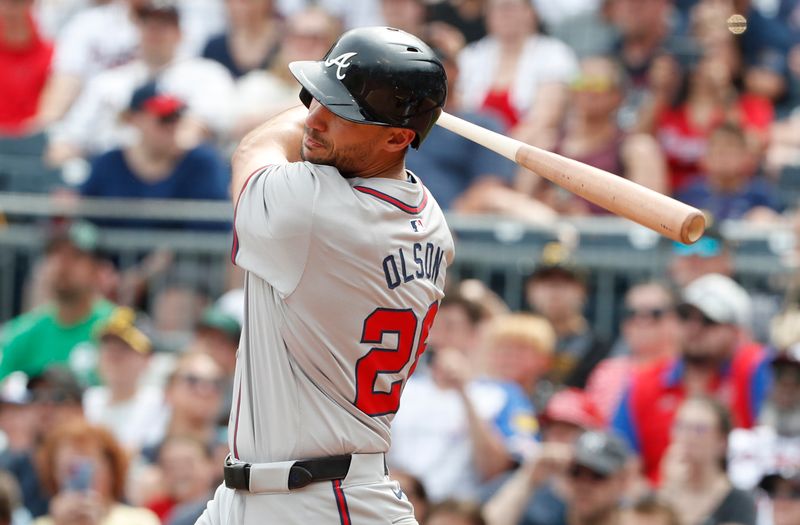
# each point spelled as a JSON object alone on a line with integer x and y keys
{"x": 498, "y": 251}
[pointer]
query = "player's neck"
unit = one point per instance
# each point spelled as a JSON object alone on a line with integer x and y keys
{"x": 385, "y": 170}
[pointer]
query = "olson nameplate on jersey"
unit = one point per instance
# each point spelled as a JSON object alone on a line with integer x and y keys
{"x": 422, "y": 261}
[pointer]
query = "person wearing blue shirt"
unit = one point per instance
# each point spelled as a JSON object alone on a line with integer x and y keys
{"x": 729, "y": 190}
{"x": 156, "y": 166}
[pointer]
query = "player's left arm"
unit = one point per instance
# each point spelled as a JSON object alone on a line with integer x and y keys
{"x": 277, "y": 141}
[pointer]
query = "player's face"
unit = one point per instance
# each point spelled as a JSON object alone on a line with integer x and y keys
{"x": 354, "y": 149}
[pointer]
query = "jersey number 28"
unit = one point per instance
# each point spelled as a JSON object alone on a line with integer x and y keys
{"x": 377, "y": 361}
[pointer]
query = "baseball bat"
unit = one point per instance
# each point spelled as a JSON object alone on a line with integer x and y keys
{"x": 663, "y": 214}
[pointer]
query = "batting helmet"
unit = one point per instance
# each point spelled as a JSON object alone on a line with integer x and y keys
{"x": 377, "y": 75}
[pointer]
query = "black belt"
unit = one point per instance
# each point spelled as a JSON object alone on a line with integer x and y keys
{"x": 302, "y": 473}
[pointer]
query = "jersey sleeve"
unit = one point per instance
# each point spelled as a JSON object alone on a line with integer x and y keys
{"x": 272, "y": 224}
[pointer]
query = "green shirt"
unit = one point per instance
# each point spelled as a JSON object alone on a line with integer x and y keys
{"x": 36, "y": 340}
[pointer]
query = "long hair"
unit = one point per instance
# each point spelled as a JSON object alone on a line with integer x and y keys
{"x": 85, "y": 437}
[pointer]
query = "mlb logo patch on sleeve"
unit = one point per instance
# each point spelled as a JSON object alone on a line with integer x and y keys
{"x": 417, "y": 226}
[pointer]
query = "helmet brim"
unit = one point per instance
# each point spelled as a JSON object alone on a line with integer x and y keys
{"x": 330, "y": 92}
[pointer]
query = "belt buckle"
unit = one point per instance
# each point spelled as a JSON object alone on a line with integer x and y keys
{"x": 237, "y": 476}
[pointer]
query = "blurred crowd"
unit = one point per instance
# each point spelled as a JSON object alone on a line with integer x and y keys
{"x": 115, "y": 391}
{"x": 145, "y": 98}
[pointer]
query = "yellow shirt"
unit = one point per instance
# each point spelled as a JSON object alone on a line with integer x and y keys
{"x": 119, "y": 515}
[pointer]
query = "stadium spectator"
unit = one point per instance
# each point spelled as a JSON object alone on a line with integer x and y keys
{"x": 262, "y": 93}
{"x": 557, "y": 291}
{"x": 24, "y": 65}
{"x": 683, "y": 121}
{"x": 84, "y": 468}
{"x": 93, "y": 126}
{"x": 465, "y": 16}
{"x": 729, "y": 187}
{"x": 456, "y": 430}
{"x": 773, "y": 445}
{"x": 157, "y": 166}
{"x": 712, "y": 253}
{"x": 60, "y": 332}
{"x": 588, "y": 32}
{"x": 649, "y": 511}
{"x": 217, "y": 334}
{"x": 552, "y": 14}
{"x": 717, "y": 358}
{"x": 464, "y": 176}
{"x": 18, "y": 418}
{"x": 592, "y": 473}
{"x": 95, "y": 39}
{"x": 251, "y": 41}
{"x": 644, "y": 41}
{"x": 193, "y": 394}
{"x": 519, "y": 349}
{"x": 123, "y": 405}
{"x": 567, "y": 415}
{"x": 176, "y": 308}
{"x": 187, "y": 472}
{"x": 649, "y": 327}
{"x": 415, "y": 491}
{"x": 55, "y": 399}
{"x": 591, "y": 134}
{"x": 693, "y": 474}
{"x": 782, "y": 506}
{"x": 455, "y": 512}
{"x": 515, "y": 71}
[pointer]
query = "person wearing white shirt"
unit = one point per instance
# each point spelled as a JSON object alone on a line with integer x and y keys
{"x": 93, "y": 126}
{"x": 123, "y": 404}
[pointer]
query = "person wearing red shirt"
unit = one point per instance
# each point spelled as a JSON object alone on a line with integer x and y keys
{"x": 24, "y": 65}
{"x": 717, "y": 358}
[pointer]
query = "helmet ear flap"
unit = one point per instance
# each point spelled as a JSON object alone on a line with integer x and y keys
{"x": 305, "y": 97}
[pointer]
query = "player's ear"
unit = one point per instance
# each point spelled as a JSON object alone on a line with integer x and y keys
{"x": 399, "y": 138}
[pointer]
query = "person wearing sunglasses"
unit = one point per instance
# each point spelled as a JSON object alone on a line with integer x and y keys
{"x": 717, "y": 357}
{"x": 649, "y": 327}
{"x": 589, "y": 486}
{"x": 157, "y": 165}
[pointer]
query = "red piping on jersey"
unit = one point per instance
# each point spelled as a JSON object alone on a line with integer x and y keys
{"x": 236, "y": 425}
{"x": 235, "y": 247}
{"x": 413, "y": 210}
{"x": 341, "y": 503}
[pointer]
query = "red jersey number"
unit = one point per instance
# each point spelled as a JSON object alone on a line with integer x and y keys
{"x": 377, "y": 361}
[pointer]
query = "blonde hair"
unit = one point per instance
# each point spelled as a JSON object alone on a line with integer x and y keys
{"x": 529, "y": 329}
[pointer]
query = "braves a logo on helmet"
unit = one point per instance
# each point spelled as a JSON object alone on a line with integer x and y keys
{"x": 342, "y": 62}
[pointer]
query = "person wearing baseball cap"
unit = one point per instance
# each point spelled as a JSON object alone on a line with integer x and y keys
{"x": 557, "y": 290}
{"x": 157, "y": 165}
{"x": 123, "y": 404}
{"x": 580, "y": 482}
{"x": 596, "y": 478}
{"x": 782, "y": 488}
{"x": 60, "y": 331}
{"x": 717, "y": 357}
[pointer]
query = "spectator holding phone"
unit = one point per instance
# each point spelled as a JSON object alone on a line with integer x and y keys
{"x": 84, "y": 468}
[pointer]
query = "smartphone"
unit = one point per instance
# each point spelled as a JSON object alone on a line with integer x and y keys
{"x": 80, "y": 477}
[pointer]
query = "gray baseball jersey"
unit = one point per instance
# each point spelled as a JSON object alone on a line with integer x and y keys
{"x": 343, "y": 279}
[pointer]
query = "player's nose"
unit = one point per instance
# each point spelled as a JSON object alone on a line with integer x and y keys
{"x": 317, "y": 116}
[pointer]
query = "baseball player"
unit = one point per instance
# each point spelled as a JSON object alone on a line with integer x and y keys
{"x": 345, "y": 253}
